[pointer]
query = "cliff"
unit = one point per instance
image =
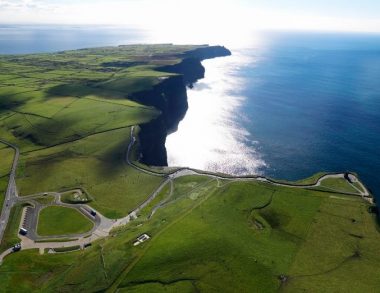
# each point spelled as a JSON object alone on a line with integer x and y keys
{"x": 170, "y": 97}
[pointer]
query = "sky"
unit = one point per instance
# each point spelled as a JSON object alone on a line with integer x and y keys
{"x": 194, "y": 15}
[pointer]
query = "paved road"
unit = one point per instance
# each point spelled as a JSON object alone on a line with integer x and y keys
{"x": 11, "y": 193}
{"x": 180, "y": 172}
{"x": 103, "y": 225}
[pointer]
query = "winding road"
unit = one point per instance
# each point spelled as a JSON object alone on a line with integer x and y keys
{"x": 184, "y": 171}
{"x": 103, "y": 225}
{"x": 11, "y": 192}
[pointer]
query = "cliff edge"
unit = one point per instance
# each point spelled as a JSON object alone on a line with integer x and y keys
{"x": 170, "y": 97}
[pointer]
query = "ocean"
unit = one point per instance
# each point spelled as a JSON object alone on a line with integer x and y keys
{"x": 292, "y": 105}
{"x": 287, "y": 105}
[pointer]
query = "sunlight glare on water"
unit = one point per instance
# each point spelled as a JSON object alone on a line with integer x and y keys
{"x": 209, "y": 137}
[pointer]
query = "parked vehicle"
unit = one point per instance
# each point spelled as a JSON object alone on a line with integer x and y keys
{"x": 16, "y": 247}
{"x": 23, "y": 231}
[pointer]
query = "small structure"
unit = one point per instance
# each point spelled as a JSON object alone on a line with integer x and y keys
{"x": 347, "y": 177}
{"x": 142, "y": 238}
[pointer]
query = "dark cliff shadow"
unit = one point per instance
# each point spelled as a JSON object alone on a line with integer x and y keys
{"x": 170, "y": 97}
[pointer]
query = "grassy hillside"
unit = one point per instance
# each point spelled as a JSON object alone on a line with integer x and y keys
{"x": 6, "y": 161}
{"x": 220, "y": 236}
{"x": 71, "y": 115}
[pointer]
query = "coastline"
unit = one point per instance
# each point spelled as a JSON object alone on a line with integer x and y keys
{"x": 170, "y": 98}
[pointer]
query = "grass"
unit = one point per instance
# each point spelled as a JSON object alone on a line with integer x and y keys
{"x": 70, "y": 115}
{"x": 74, "y": 197}
{"x": 339, "y": 185}
{"x": 27, "y": 271}
{"x": 45, "y": 200}
{"x": 56, "y": 240}
{"x": 67, "y": 249}
{"x": 306, "y": 181}
{"x": 219, "y": 236}
{"x": 334, "y": 255}
{"x": 3, "y": 189}
{"x": 6, "y": 155}
{"x": 358, "y": 186}
{"x": 212, "y": 242}
{"x": 160, "y": 198}
{"x": 10, "y": 237}
{"x": 96, "y": 164}
{"x": 57, "y": 220}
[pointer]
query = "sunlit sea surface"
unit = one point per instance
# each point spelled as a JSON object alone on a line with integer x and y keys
{"x": 211, "y": 136}
{"x": 286, "y": 105}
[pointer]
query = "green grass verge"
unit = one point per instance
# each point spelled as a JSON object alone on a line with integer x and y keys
{"x": 239, "y": 237}
{"x": 3, "y": 189}
{"x": 45, "y": 200}
{"x": 306, "y": 181}
{"x": 338, "y": 185}
{"x": 57, "y": 220}
{"x": 67, "y": 249}
{"x": 6, "y": 155}
{"x": 358, "y": 186}
{"x": 75, "y": 197}
{"x": 56, "y": 240}
{"x": 10, "y": 237}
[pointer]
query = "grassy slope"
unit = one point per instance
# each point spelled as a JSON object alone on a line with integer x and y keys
{"x": 3, "y": 189}
{"x": 56, "y": 220}
{"x": 69, "y": 115}
{"x": 6, "y": 160}
{"x": 63, "y": 109}
{"x": 212, "y": 241}
{"x": 218, "y": 241}
{"x": 95, "y": 163}
{"x": 340, "y": 252}
{"x": 10, "y": 237}
{"x": 218, "y": 247}
{"x": 340, "y": 185}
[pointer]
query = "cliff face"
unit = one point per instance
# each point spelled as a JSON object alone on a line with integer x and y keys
{"x": 170, "y": 97}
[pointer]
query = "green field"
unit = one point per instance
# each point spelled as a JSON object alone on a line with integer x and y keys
{"x": 70, "y": 114}
{"x": 339, "y": 184}
{"x": 228, "y": 237}
{"x": 3, "y": 189}
{"x": 10, "y": 237}
{"x": 75, "y": 197}
{"x": 6, "y": 161}
{"x": 56, "y": 220}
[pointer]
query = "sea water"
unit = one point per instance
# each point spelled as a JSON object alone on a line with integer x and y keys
{"x": 286, "y": 106}
{"x": 289, "y": 106}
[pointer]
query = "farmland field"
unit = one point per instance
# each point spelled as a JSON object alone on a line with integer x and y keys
{"x": 72, "y": 116}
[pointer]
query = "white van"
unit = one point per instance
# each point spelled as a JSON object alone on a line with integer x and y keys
{"x": 23, "y": 231}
